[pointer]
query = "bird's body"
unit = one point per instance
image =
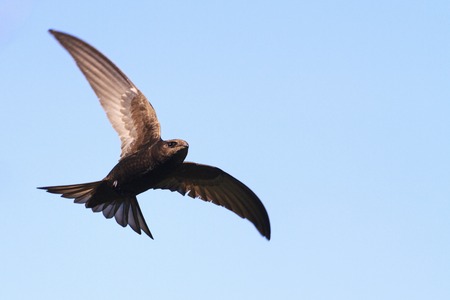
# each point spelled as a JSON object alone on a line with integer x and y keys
{"x": 147, "y": 161}
{"x": 142, "y": 170}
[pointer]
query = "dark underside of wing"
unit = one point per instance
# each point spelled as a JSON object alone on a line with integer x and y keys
{"x": 212, "y": 184}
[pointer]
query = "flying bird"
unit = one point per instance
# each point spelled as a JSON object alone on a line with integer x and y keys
{"x": 146, "y": 161}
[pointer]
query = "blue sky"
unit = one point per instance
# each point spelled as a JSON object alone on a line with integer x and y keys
{"x": 336, "y": 113}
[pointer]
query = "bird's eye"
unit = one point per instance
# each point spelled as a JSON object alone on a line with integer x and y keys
{"x": 171, "y": 144}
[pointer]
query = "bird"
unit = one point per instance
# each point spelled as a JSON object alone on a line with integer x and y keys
{"x": 146, "y": 160}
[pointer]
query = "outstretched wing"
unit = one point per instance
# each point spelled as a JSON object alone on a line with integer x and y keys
{"x": 129, "y": 112}
{"x": 212, "y": 184}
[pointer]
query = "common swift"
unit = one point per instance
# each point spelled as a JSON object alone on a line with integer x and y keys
{"x": 146, "y": 161}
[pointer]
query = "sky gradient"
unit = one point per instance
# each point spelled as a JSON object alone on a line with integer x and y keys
{"x": 336, "y": 114}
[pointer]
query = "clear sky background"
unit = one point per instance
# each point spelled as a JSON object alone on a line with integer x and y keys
{"x": 336, "y": 113}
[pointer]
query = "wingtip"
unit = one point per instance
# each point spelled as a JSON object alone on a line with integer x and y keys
{"x": 56, "y": 33}
{"x": 264, "y": 227}
{"x": 269, "y": 233}
{"x": 266, "y": 235}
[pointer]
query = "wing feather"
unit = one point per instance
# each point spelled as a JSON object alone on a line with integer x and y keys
{"x": 214, "y": 185}
{"x": 128, "y": 110}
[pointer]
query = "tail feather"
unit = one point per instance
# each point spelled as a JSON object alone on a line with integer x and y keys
{"x": 100, "y": 198}
{"x": 81, "y": 193}
{"x": 126, "y": 211}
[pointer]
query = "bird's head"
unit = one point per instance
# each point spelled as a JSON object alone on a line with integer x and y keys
{"x": 173, "y": 150}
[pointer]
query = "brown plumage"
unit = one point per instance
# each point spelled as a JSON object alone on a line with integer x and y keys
{"x": 146, "y": 161}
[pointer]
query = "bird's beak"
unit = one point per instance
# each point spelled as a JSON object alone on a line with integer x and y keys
{"x": 184, "y": 144}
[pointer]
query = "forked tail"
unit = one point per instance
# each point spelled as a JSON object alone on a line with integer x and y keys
{"x": 100, "y": 197}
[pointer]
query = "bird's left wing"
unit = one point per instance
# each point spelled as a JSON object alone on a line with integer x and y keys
{"x": 212, "y": 184}
{"x": 128, "y": 110}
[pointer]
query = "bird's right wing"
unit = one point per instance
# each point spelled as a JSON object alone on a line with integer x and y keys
{"x": 214, "y": 185}
{"x": 128, "y": 110}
